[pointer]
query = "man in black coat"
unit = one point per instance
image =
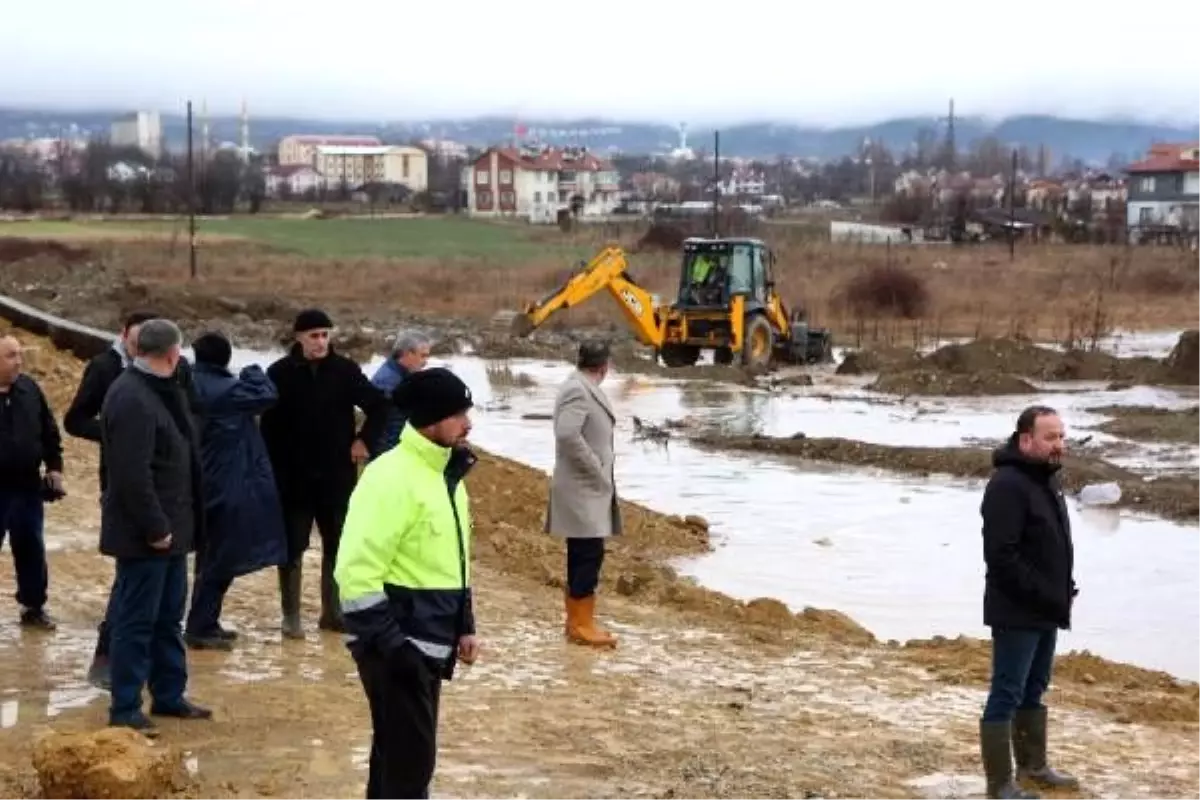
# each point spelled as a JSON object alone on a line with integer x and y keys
{"x": 29, "y": 440}
{"x": 152, "y": 514}
{"x": 1028, "y": 597}
{"x": 315, "y": 453}
{"x": 82, "y": 421}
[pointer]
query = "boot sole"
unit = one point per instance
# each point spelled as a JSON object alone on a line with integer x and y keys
{"x": 586, "y": 643}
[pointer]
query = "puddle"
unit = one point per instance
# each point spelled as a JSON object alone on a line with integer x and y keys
{"x": 900, "y": 555}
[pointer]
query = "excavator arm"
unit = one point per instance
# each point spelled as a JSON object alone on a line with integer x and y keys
{"x": 607, "y": 271}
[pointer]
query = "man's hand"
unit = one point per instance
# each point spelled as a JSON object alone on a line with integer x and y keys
{"x": 162, "y": 544}
{"x": 468, "y": 649}
{"x": 56, "y": 480}
{"x": 359, "y": 452}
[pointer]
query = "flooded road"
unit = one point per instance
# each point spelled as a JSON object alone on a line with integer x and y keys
{"x": 898, "y": 554}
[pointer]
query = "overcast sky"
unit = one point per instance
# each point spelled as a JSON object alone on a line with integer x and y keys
{"x": 655, "y": 60}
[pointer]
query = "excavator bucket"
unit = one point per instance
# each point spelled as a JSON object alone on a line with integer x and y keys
{"x": 515, "y": 323}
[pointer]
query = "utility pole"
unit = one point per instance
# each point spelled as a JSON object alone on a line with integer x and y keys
{"x": 1012, "y": 209}
{"x": 716, "y": 217}
{"x": 191, "y": 171}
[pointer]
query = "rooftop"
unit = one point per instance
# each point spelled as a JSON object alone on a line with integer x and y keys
{"x": 1168, "y": 158}
{"x": 334, "y": 140}
{"x": 353, "y": 150}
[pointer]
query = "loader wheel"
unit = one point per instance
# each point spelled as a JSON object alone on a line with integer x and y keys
{"x": 679, "y": 355}
{"x": 759, "y": 342}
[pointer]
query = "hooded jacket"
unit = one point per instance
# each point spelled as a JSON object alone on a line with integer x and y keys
{"x": 1026, "y": 544}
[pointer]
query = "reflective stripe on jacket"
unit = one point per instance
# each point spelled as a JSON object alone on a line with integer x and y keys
{"x": 403, "y": 564}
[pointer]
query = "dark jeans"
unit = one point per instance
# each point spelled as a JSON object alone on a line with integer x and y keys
{"x": 103, "y": 631}
{"x": 145, "y": 615}
{"x": 1022, "y": 660}
{"x": 208, "y": 595}
{"x": 327, "y": 508}
{"x": 21, "y": 520}
{"x": 404, "y": 695}
{"x": 584, "y": 559}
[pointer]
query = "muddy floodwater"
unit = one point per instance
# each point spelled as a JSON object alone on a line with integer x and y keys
{"x": 899, "y": 554}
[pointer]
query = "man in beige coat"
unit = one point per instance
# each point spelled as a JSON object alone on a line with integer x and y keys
{"x": 583, "y": 496}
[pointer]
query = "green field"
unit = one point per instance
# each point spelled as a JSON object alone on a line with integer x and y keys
{"x": 425, "y": 237}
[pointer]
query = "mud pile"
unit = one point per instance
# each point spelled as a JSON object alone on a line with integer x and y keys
{"x": 1183, "y": 364}
{"x": 662, "y": 237}
{"x": 1151, "y": 424}
{"x": 14, "y": 249}
{"x": 112, "y": 762}
{"x": 993, "y": 366}
{"x": 878, "y": 359}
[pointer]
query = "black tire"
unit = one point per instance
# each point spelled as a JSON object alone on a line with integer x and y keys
{"x": 679, "y": 355}
{"x": 758, "y": 342}
{"x": 723, "y": 356}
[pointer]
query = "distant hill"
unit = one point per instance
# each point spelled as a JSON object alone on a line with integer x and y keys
{"x": 1090, "y": 140}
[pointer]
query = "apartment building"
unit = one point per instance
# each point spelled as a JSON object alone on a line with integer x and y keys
{"x": 302, "y": 148}
{"x": 1164, "y": 188}
{"x": 359, "y": 164}
{"x": 535, "y": 183}
{"x": 141, "y": 129}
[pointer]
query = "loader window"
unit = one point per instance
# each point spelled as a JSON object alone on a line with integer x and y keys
{"x": 741, "y": 276}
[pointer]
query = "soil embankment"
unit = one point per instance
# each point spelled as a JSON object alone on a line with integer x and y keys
{"x": 1006, "y": 366}
{"x": 1171, "y": 497}
{"x": 706, "y": 696}
{"x": 1151, "y": 424}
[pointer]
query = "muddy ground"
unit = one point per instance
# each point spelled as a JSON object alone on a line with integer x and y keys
{"x": 706, "y": 696}
{"x": 1173, "y": 497}
{"x": 1006, "y": 366}
{"x": 1151, "y": 424}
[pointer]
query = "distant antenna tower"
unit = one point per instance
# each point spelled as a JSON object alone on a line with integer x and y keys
{"x": 951, "y": 144}
{"x": 683, "y": 136}
{"x": 245, "y": 131}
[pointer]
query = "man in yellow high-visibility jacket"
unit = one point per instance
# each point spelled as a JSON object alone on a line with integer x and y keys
{"x": 403, "y": 576}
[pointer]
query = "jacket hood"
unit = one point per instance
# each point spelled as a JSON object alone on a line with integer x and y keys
{"x": 1010, "y": 455}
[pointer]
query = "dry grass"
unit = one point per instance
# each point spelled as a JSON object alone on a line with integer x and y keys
{"x": 1058, "y": 292}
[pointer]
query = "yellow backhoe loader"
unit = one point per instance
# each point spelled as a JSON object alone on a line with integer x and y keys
{"x": 727, "y": 303}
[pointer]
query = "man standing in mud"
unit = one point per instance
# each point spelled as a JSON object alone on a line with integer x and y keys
{"x": 152, "y": 515}
{"x": 1028, "y": 597}
{"x": 403, "y": 575}
{"x": 315, "y": 453}
{"x": 583, "y": 505}
{"x": 82, "y": 420}
{"x": 29, "y": 440}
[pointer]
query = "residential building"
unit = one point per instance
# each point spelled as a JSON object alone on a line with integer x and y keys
{"x": 296, "y": 180}
{"x": 359, "y": 164}
{"x": 302, "y": 148}
{"x": 535, "y": 183}
{"x": 445, "y": 148}
{"x": 141, "y": 129}
{"x": 1164, "y": 188}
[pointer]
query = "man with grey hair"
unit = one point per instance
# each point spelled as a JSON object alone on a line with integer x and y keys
{"x": 152, "y": 512}
{"x": 410, "y": 353}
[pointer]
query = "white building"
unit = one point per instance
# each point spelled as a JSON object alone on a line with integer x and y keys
{"x": 359, "y": 164}
{"x": 300, "y": 148}
{"x": 535, "y": 183}
{"x": 141, "y": 129}
{"x": 294, "y": 179}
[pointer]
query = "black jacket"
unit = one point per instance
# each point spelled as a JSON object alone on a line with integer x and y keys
{"x": 153, "y": 473}
{"x": 310, "y": 429}
{"x": 29, "y": 437}
{"x": 82, "y": 419}
{"x": 1026, "y": 545}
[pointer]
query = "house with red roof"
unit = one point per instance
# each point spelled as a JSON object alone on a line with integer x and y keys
{"x": 1164, "y": 188}
{"x": 536, "y": 182}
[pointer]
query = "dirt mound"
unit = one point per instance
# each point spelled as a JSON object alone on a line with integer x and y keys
{"x": 112, "y": 762}
{"x": 1150, "y": 423}
{"x": 925, "y": 381}
{"x": 662, "y": 237}
{"x": 14, "y": 249}
{"x": 877, "y": 359}
{"x": 1021, "y": 357}
{"x": 1183, "y": 364}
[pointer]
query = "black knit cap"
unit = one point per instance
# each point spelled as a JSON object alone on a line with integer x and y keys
{"x": 311, "y": 319}
{"x": 431, "y": 395}
{"x": 212, "y": 348}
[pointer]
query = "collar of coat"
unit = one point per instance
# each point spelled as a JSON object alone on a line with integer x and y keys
{"x": 597, "y": 393}
{"x": 454, "y": 463}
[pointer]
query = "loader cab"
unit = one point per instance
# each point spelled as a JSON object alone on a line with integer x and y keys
{"x": 714, "y": 271}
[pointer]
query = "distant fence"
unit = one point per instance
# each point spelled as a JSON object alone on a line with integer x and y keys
{"x": 81, "y": 340}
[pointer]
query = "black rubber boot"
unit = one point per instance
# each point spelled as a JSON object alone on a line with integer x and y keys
{"x": 995, "y": 744}
{"x": 99, "y": 673}
{"x": 1029, "y": 747}
{"x": 289, "y": 600}
{"x": 331, "y": 610}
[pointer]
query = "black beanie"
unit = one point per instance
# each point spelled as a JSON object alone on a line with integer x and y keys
{"x": 212, "y": 348}
{"x": 311, "y": 319}
{"x": 432, "y": 395}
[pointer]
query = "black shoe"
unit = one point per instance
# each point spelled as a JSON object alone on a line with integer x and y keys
{"x": 37, "y": 619}
{"x": 185, "y": 710}
{"x": 139, "y": 722}
{"x": 225, "y": 633}
{"x": 331, "y": 623}
{"x": 211, "y": 642}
